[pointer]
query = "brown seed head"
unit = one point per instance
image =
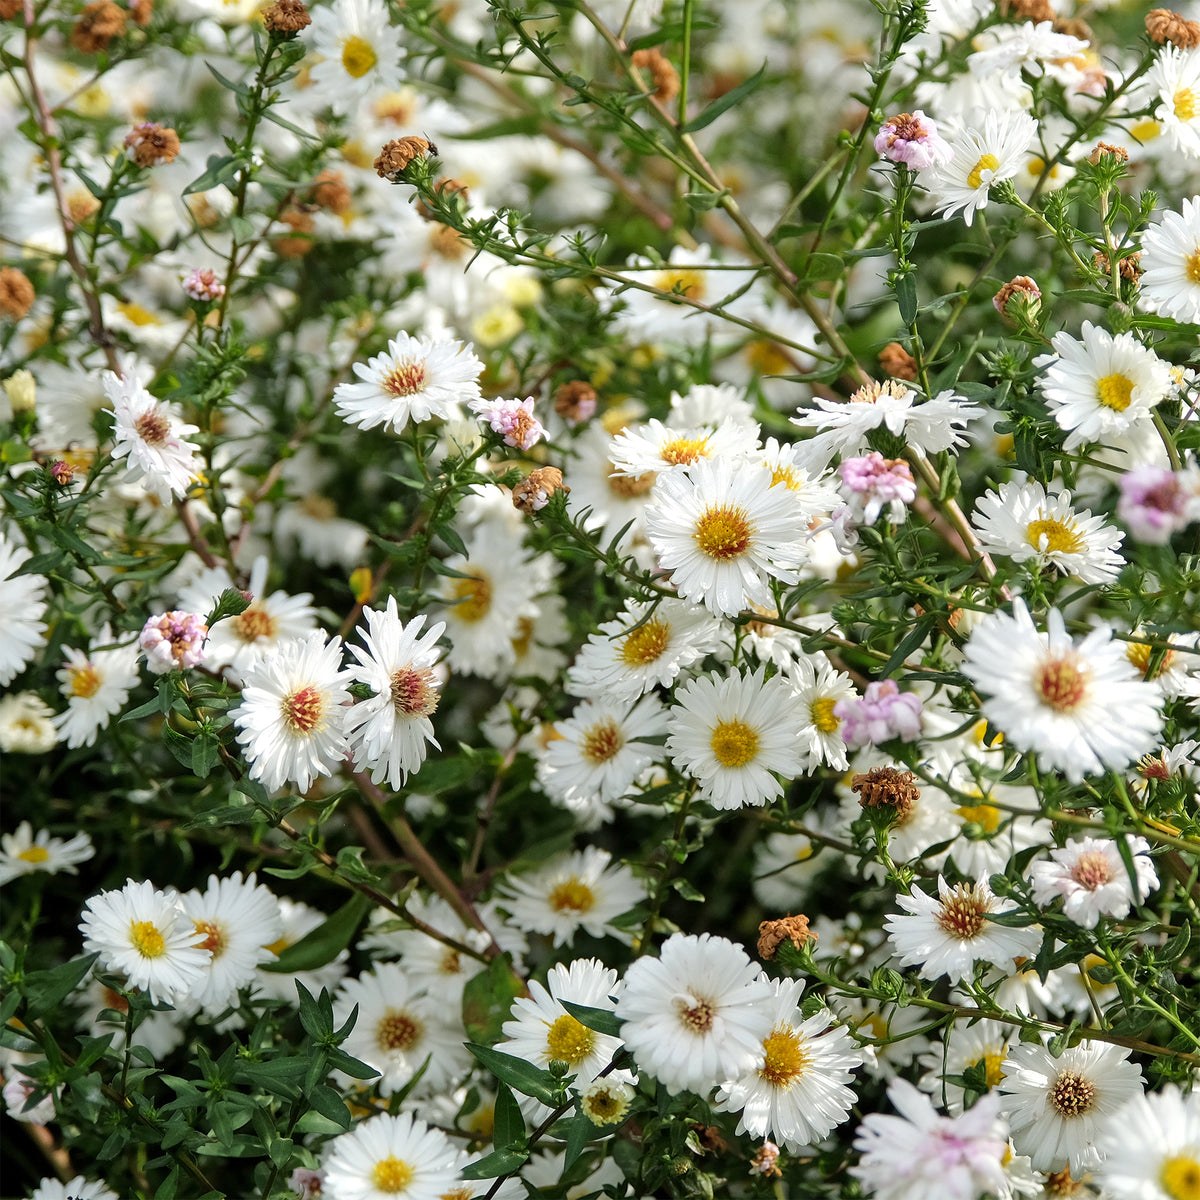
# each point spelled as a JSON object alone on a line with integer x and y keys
{"x": 533, "y": 492}
{"x": 785, "y": 929}
{"x": 141, "y": 11}
{"x": 286, "y": 17}
{"x": 575, "y": 401}
{"x": 16, "y": 293}
{"x": 1129, "y": 267}
{"x": 1023, "y": 287}
{"x": 1104, "y": 149}
{"x": 885, "y": 787}
{"x": 663, "y": 75}
{"x": 397, "y": 154}
{"x": 1030, "y": 10}
{"x": 1163, "y": 25}
{"x": 151, "y": 145}
{"x": 300, "y": 223}
{"x": 10, "y": 8}
{"x": 330, "y": 190}
{"x": 100, "y": 22}
{"x": 897, "y": 362}
{"x": 764, "y": 1162}
{"x": 1074, "y": 27}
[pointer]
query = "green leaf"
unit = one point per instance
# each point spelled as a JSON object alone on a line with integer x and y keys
{"x": 508, "y": 1132}
{"x": 280, "y": 1150}
{"x": 501, "y": 1162}
{"x": 330, "y": 1105}
{"x": 240, "y": 88}
{"x": 220, "y": 168}
{"x": 600, "y": 1020}
{"x": 704, "y": 201}
{"x": 905, "y": 287}
{"x": 579, "y": 1133}
{"x": 520, "y": 1075}
{"x": 487, "y": 999}
{"x": 205, "y": 754}
{"x": 726, "y": 102}
{"x": 46, "y": 990}
{"x": 324, "y": 943}
{"x": 908, "y": 643}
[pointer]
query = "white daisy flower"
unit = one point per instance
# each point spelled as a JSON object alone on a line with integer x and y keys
{"x": 149, "y": 434}
{"x": 1175, "y": 80}
{"x": 79, "y": 1188}
{"x": 145, "y": 934}
{"x": 607, "y": 500}
{"x": 949, "y": 934}
{"x": 398, "y": 1028}
{"x": 23, "y": 632}
{"x": 797, "y": 1095}
{"x": 388, "y": 731}
{"x": 785, "y": 868}
{"x": 23, "y": 852}
{"x": 1151, "y": 1147}
{"x": 290, "y": 721}
{"x": 801, "y": 468}
{"x": 1170, "y": 284}
{"x": 1081, "y": 708}
{"x": 989, "y": 148}
{"x": 298, "y": 919}
{"x": 696, "y": 1015}
{"x": 843, "y": 427}
{"x": 920, "y": 1153}
{"x": 239, "y": 920}
{"x": 1091, "y": 877}
{"x": 391, "y": 1158}
{"x": 732, "y": 733}
{"x": 268, "y": 622}
{"x": 1055, "y": 1106}
{"x": 26, "y": 724}
{"x": 981, "y": 1048}
{"x": 818, "y": 687}
{"x": 540, "y": 1030}
{"x": 1027, "y": 524}
{"x": 645, "y": 647}
{"x": 584, "y": 890}
{"x": 1101, "y": 385}
{"x": 721, "y": 529}
{"x": 360, "y": 53}
{"x": 596, "y": 754}
{"x": 656, "y": 447}
{"x": 416, "y": 379}
{"x": 96, "y": 685}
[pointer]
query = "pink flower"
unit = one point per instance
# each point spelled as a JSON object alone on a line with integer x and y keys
{"x": 512, "y": 418}
{"x": 203, "y": 285}
{"x": 912, "y": 139}
{"x": 884, "y": 712}
{"x": 1154, "y": 504}
{"x": 173, "y": 641}
{"x": 874, "y": 481}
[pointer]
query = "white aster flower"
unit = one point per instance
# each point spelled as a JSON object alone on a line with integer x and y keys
{"x": 389, "y": 730}
{"x": 645, "y": 647}
{"x": 696, "y": 1015}
{"x": 360, "y": 53}
{"x": 1091, "y": 877}
{"x": 801, "y": 468}
{"x": 26, "y": 724}
{"x": 920, "y": 1154}
{"x": 298, "y": 920}
{"x": 660, "y": 448}
{"x": 23, "y": 632}
{"x": 79, "y": 1188}
{"x": 1151, "y": 1148}
{"x": 989, "y": 148}
{"x": 1008, "y": 48}
{"x": 416, "y": 379}
{"x": 1101, "y": 385}
{"x": 584, "y": 890}
{"x": 238, "y": 919}
{"x": 23, "y": 852}
{"x": 980, "y": 1048}
{"x": 399, "y": 1027}
{"x": 949, "y": 934}
{"x": 797, "y": 1095}
{"x": 1026, "y": 523}
{"x": 145, "y": 934}
{"x": 1170, "y": 284}
{"x": 818, "y": 688}
{"x": 290, "y": 721}
{"x": 1056, "y": 1105}
{"x": 391, "y": 1158}
{"x": 96, "y": 685}
{"x": 721, "y": 529}
{"x": 732, "y": 733}
{"x": 149, "y": 434}
{"x": 1175, "y": 80}
{"x": 1081, "y": 708}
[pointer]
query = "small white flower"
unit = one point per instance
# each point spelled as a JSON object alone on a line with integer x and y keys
{"x": 1170, "y": 284}
{"x": 79, "y": 1188}
{"x": 661, "y": 448}
{"x": 26, "y": 724}
{"x": 819, "y": 688}
{"x": 149, "y": 434}
{"x": 391, "y": 1158}
{"x": 1175, "y": 80}
{"x": 22, "y": 632}
{"x": 23, "y": 853}
{"x": 96, "y": 685}
{"x": 1151, "y": 1147}
{"x": 359, "y": 51}
{"x": 1091, "y": 877}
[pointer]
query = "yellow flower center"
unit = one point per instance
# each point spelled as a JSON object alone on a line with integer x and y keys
{"x": 135, "y": 314}
{"x": 781, "y": 474}
{"x": 987, "y": 816}
{"x": 84, "y": 680}
{"x": 569, "y": 1041}
{"x": 214, "y": 937}
{"x": 1060, "y": 538}
{"x": 784, "y": 1060}
{"x": 1145, "y": 131}
{"x": 398, "y": 1030}
{"x": 1115, "y": 392}
{"x": 821, "y": 714}
{"x": 629, "y": 486}
{"x": 991, "y": 1061}
{"x": 1185, "y": 104}
{"x": 1180, "y": 1177}
{"x": 35, "y": 854}
{"x": 280, "y": 945}
{"x": 682, "y": 283}
{"x": 146, "y": 939}
{"x": 734, "y": 743}
{"x": 304, "y": 710}
{"x": 601, "y": 742}
{"x": 572, "y": 895}
{"x": 1191, "y": 265}
{"x": 1139, "y": 655}
{"x": 474, "y": 598}
{"x": 961, "y": 913}
{"x": 723, "y": 532}
{"x": 989, "y": 162}
{"x": 253, "y": 623}
{"x": 645, "y": 644}
{"x": 358, "y": 56}
{"x": 768, "y": 358}
{"x": 1071, "y": 1095}
{"x": 683, "y": 451}
{"x": 391, "y": 1176}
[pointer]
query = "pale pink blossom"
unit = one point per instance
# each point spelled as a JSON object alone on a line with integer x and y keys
{"x": 1091, "y": 877}
{"x": 912, "y": 139}
{"x": 873, "y": 481}
{"x": 173, "y": 641}
{"x": 883, "y": 712}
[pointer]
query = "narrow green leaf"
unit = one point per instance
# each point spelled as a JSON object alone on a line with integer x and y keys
{"x": 324, "y": 943}
{"x": 221, "y": 167}
{"x": 508, "y": 1131}
{"x": 600, "y": 1020}
{"x": 330, "y": 1105}
{"x": 47, "y": 989}
{"x": 579, "y": 1133}
{"x": 905, "y": 287}
{"x": 501, "y": 1162}
{"x": 726, "y": 102}
{"x": 518, "y": 1074}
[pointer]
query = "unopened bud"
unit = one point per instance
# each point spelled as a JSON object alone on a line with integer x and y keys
{"x": 21, "y": 389}
{"x": 1018, "y": 295}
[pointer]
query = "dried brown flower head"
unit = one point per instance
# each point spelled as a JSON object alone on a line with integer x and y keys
{"x": 533, "y": 493}
{"x": 100, "y": 22}
{"x": 1129, "y": 267}
{"x": 142, "y": 11}
{"x": 662, "y": 74}
{"x": 286, "y": 17}
{"x": 16, "y": 293}
{"x": 897, "y": 362}
{"x": 397, "y": 154}
{"x": 885, "y": 787}
{"x": 1163, "y": 25}
{"x": 1023, "y": 287}
{"x": 297, "y": 246}
{"x": 764, "y": 1162}
{"x": 575, "y": 400}
{"x": 330, "y": 190}
{"x": 62, "y": 472}
{"x": 151, "y": 145}
{"x": 10, "y": 8}
{"x": 785, "y": 929}
{"x": 1104, "y": 150}
{"x": 1030, "y": 10}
